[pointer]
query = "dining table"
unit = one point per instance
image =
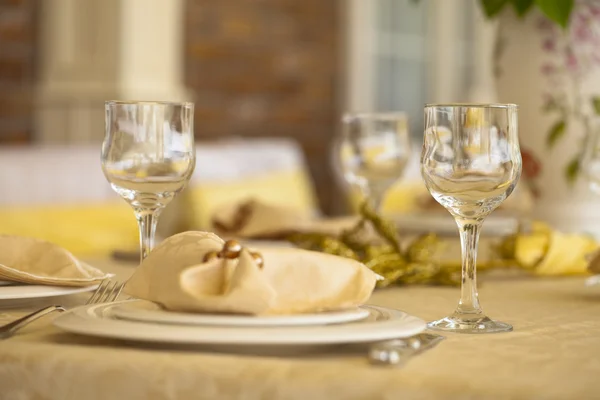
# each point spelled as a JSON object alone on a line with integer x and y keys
{"x": 553, "y": 353}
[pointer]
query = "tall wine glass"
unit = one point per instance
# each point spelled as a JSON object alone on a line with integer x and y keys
{"x": 470, "y": 163}
{"x": 148, "y": 156}
{"x": 373, "y": 151}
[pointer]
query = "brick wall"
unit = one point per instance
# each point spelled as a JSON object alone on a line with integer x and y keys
{"x": 265, "y": 68}
{"x": 259, "y": 68}
{"x": 17, "y": 40}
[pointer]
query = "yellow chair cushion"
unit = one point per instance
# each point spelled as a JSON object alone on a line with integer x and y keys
{"x": 290, "y": 188}
{"x": 403, "y": 197}
{"x": 85, "y": 230}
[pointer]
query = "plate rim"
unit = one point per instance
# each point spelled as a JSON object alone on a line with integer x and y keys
{"x": 85, "y": 320}
{"x": 224, "y": 320}
{"x": 65, "y": 291}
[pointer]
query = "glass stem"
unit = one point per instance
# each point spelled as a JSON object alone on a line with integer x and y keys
{"x": 469, "y": 237}
{"x": 376, "y": 199}
{"x": 147, "y": 222}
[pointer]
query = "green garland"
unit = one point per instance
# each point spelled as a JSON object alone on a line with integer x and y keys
{"x": 414, "y": 265}
{"x": 420, "y": 262}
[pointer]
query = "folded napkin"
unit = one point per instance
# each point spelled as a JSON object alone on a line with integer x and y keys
{"x": 252, "y": 218}
{"x": 549, "y": 252}
{"x": 290, "y": 281}
{"x": 259, "y": 220}
{"x": 35, "y": 261}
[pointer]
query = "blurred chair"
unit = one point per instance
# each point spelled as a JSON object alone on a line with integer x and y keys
{"x": 269, "y": 170}
{"x": 60, "y": 193}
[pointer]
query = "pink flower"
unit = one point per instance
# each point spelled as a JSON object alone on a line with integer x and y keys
{"x": 572, "y": 63}
{"x": 545, "y": 24}
{"x": 549, "y": 44}
{"x": 583, "y": 32}
{"x": 548, "y": 69}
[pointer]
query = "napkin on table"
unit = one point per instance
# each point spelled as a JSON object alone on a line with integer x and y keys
{"x": 292, "y": 281}
{"x": 253, "y": 219}
{"x": 34, "y": 261}
{"x": 543, "y": 250}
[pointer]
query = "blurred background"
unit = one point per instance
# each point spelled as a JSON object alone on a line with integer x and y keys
{"x": 260, "y": 68}
{"x": 270, "y": 80}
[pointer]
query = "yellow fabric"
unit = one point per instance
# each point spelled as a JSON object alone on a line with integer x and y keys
{"x": 553, "y": 353}
{"x": 84, "y": 230}
{"x": 403, "y": 197}
{"x": 290, "y": 188}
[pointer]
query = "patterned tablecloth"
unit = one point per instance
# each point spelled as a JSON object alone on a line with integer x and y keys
{"x": 554, "y": 353}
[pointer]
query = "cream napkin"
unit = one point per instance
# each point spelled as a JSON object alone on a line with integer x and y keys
{"x": 292, "y": 281}
{"x": 35, "y": 261}
{"x": 258, "y": 220}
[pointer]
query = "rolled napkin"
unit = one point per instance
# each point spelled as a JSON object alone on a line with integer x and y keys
{"x": 35, "y": 261}
{"x": 185, "y": 274}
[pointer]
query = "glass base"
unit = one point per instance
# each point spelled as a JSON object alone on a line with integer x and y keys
{"x": 472, "y": 325}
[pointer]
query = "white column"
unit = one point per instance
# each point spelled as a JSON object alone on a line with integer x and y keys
{"x": 359, "y": 59}
{"x": 445, "y": 51}
{"x": 483, "y": 82}
{"x": 97, "y": 50}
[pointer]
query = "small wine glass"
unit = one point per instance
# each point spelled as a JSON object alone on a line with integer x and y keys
{"x": 148, "y": 156}
{"x": 373, "y": 151}
{"x": 470, "y": 162}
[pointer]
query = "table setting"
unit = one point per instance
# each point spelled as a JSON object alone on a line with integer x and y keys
{"x": 275, "y": 303}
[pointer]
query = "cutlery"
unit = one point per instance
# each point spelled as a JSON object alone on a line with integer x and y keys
{"x": 106, "y": 292}
{"x": 397, "y": 352}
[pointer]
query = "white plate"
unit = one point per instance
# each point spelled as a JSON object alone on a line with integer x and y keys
{"x": 20, "y": 292}
{"x": 99, "y": 320}
{"x": 145, "y": 311}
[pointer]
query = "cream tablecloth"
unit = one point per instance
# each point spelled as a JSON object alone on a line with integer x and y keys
{"x": 554, "y": 353}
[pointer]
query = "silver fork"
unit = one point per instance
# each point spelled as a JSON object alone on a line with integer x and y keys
{"x": 398, "y": 352}
{"x": 106, "y": 292}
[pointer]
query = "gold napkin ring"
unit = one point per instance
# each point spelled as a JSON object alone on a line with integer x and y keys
{"x": 231, "y": 250}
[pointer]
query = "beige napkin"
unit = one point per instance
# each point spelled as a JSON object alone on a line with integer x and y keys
{"x": 35, "y": 261}
{"x": 292, "y": 281}
{"x": 258, "y": 220}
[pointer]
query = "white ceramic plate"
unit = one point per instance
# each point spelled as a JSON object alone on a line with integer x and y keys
{"x": 145, "y": 311}
{"x": 19, "y": 292}
{"x": 99, "y": 320}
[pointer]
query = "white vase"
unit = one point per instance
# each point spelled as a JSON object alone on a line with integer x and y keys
{"x": 532, "y": 66}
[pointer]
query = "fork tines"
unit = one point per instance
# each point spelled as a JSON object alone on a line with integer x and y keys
{"x": 106, "y": 292}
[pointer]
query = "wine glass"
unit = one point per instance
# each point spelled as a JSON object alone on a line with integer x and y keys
{"x": 373, "y": 151}
{"x": 148, "y": 156}
{"x": 470, "y": 162}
